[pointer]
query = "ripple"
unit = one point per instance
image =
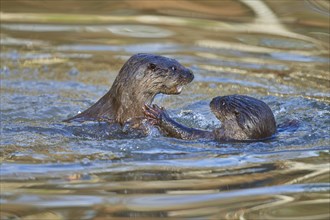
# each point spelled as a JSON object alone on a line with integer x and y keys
{"x": 59, "y": 170}
{"x": 22, "y": 42}
{"x": 140, "y": 31}
{"x": 133, "y": 48}
{"x": 297, "y": 58}
{"x": 40, "y": 27}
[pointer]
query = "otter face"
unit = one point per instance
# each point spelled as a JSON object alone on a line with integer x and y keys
{"x": 158, "y": 74}
{"x": 244, "y": 114}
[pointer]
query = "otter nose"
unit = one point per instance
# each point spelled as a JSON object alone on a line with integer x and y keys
{"x": 191, "y": 74}
{"x": 188, "y": 75}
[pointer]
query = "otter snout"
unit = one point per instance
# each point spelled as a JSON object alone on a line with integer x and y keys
{"x": 186, "y": 76}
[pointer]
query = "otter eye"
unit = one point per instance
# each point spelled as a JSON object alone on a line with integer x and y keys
{"x": 152, "y": 66}
{"x": 236, "y": 112}
{"x": 173, "y": 68}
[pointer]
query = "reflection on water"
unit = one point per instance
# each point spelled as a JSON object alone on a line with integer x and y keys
{"x": 58, "y": 59}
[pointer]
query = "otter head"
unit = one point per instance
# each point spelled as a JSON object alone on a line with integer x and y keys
{"x": 158, "y": 74}
{"x": 243, "y": 117}
{"x": 141, "y": 78}
{"x": 153, "y": 74}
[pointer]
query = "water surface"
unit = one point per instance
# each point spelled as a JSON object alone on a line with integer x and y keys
{"x": 58, "y": 59}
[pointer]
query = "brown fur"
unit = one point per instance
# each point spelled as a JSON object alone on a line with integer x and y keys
{"x": 242, "y": 118}
{"x": 141, "y": 78}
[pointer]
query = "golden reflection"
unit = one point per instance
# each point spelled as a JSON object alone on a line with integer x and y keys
{"x": 44, "y": 61}
{"x": 320, "y": 171}
{"x": 248, "y": 47}
{"x": 193, "y": 195}
{"x": 320, "y": 5}
{"x": 44, "y": 216}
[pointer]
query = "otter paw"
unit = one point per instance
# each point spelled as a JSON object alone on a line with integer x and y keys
{"x": 153, "y": 113}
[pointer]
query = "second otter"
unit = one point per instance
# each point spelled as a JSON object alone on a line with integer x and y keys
{"x": 141, "y": 78}
{"x": 242, "y": 118}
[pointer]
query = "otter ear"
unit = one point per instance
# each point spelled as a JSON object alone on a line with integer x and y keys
{"x": 152, "y": 66}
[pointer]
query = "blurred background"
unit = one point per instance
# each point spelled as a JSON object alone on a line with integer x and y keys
{"x": 59, "y": 57}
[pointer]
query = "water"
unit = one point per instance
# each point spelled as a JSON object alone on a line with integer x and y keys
{"x": 59, "y": 58}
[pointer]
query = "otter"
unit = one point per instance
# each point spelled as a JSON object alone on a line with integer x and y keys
{"x": 242, "y": 118}
{"x": 140, "y": 79}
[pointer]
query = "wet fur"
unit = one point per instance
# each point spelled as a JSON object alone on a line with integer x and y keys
{"x": 141, "y": 78}
{"x": 242, "y": 118}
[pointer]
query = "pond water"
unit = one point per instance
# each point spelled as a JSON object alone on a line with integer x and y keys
{"x": 58, "y": 58}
